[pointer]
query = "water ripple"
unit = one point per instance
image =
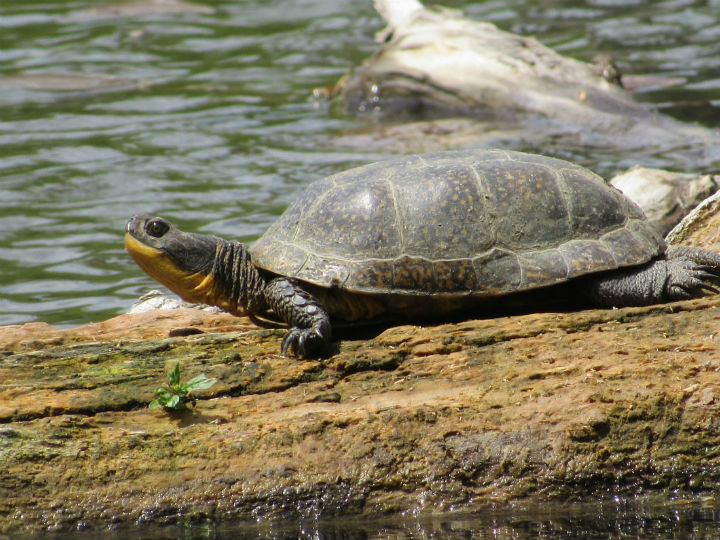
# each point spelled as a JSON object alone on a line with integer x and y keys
{"x": 204, "y": 114}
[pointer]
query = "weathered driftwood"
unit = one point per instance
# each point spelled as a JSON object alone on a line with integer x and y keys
{"x": 435, "y": 62}
{"x": 665, "y": 196}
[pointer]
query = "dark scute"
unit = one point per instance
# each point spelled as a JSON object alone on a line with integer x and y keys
{"x": 584, "y": 256}
{"x": 413, "y": 274}
{"x": 354, "y": 221}
{"x": 526, "y": 208}
{"x": 490, "y": 222}
{"x": 442, "y": 211}
{"x": 543, "y": 268}
{"x": 597, "y": 208}
{"x": 630, "y": 208}
{"x": 278, "y": 256}
{"x": 647, "y": 234}
{"x": 497, "y": 272}
{"x": 371, "y": 275}
{"x": 470, "y": 157}
{"x": 456, "y": 275}
{"x": 321, "y": 270}
{"x": 624, "y": 245}
{"x": 555, "y": 164}
{"x": 379, "y": 170}
{"x": 286, "y": 227}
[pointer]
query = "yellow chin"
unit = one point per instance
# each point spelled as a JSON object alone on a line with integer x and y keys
{"x": 191, "y": 287}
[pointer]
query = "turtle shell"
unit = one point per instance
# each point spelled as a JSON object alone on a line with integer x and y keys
{"x": 480, "y": 222}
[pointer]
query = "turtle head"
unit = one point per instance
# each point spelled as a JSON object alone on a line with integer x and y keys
{"x": 181, "y": 261}
{"x": 197, "y": 267}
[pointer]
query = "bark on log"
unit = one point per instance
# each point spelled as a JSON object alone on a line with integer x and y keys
{"x": 543, "y": 406}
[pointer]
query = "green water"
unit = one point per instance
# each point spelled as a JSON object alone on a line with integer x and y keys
{"x": 612, "y": 519}
{"x": 206, "y": 116}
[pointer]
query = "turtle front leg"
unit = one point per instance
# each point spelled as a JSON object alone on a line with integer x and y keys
{"x": 310, "y": 328}
{"x": 684, "y": 273}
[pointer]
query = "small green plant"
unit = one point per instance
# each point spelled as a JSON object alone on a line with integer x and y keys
{"x": 174, "y": 396}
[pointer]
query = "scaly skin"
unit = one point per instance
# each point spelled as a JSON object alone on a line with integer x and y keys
{"x": 310, "y": 330}
{"x": 684, "y": 273}
{"x": 237, "y": 278}
{"x": 213, "y": 271}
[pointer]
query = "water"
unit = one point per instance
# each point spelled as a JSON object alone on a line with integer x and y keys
{"x": 204, "y": 114}
{"x": 616, "y": 519}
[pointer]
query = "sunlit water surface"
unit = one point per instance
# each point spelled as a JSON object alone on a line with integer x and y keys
{"x": 205, "y": 115}
{"x": 612, "y": 519}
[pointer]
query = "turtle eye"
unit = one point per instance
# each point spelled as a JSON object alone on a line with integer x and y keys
{"x": 156, "y": 227}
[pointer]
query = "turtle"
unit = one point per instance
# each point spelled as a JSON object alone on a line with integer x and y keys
{"x": 428, "y": 236}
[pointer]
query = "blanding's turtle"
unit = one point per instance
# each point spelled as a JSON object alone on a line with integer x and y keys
{"x": 427, "y": 235}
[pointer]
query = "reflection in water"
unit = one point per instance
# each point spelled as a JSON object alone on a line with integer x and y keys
{"x": 612, "y": 519}
{"x": 202, "y": 112}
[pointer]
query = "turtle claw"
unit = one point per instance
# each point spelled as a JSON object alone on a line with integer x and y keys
{"x": 693, "y": 280}
{"x": 302, "y": 342}
{"x": 699, "y": 286}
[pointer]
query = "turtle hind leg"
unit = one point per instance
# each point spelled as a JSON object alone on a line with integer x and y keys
{"x": 310, "y": 329}
{"x": 683, "y": 274}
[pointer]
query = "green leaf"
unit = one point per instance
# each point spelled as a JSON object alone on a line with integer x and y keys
{"x": 174, "y": 403}
{"x": 201, "y": 382}
{"x": 178, "y": 389}
{"x": 163, "y": 393}
{"x": 173, "y": 395}
{"x": 174, "y": 375}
